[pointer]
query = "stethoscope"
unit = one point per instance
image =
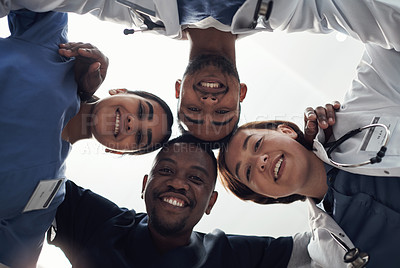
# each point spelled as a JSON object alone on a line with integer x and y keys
{"x": 379, "y": 155}
{"x": 353, "y": 255}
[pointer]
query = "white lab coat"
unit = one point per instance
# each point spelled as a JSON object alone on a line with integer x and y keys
{"x": 375, "y": 92}
{"x": 367, "y": 20}
{"x": 317, "y": 248}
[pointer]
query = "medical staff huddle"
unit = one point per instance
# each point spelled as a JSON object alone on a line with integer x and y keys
{"x": 259, "y": 161}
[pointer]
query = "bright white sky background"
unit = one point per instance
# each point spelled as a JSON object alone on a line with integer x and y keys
{"x": 284, "y": 73}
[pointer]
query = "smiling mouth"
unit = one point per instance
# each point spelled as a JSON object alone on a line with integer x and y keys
{"x": 176, "y": 202}
{"x": 210, "y": 84}
{"x": 278, "y": 167}
{"x": 117, "y": 122}
{"x": 210, "y": 87}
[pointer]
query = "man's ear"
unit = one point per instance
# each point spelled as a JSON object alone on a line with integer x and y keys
{"x": 117, "y": 91}
{"x": 243, "y": 91}
{"x": 144, "y": 185}
{"x": 178, "y": 83}
{"x": 212, "y": 201}
{"x": 285, "y": 129}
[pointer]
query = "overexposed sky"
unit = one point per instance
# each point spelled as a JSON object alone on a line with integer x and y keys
{"x": 284, "y": 73}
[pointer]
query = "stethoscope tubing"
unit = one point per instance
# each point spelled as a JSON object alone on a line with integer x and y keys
{"x": 376, "y": 159}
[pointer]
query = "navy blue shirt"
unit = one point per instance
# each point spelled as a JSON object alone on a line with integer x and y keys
{"x": 94, "y": 232}
{"x": 193, "y": 11}
{"x": 367, "y": 208}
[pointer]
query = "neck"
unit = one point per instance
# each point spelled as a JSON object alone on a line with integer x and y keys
{"x": 211, "y": 41}
{"x": 78, "y": 127}
{"x": 316, "y": 186}
{"x": 166, "y": 243}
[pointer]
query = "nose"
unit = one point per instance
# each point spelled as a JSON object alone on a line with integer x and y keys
{"x": 209, "y": 99}
{"x": 178, "y": 183}
{"x": 130, "y": 123}
{"x": 262, "y": 162}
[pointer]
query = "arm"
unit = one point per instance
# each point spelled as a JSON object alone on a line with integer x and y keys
{"x": 90, "y": 67}
{"x": 103, "y": 9}
{"x": 369, "y": 21}
{"x": 82, "y": 218}
{"x": 318, "y": 246}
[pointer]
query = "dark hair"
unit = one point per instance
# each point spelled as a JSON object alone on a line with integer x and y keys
{"x": 191, "y": 140}
{"x": 170, "y": 121}
{"x": 230, "y": 181}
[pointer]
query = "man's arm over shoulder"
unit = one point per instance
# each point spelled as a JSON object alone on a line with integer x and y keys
{"x": 81, "y": 215}
{"x": 318, "y": 248}
{"x": 260, "y": 251}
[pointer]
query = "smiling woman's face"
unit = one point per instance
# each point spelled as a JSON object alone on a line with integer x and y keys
{"x": 269, "y": 162}
{"x": 128, "y": 122}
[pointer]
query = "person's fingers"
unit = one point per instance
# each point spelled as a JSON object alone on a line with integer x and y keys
{"x": 93, "y": 78}
{"x": 95, "y": 55}
{"x": 331, "y": 112}
{"x": 75, "y": 45}
{"x": 311, "y": 128}
{"x": 310, "y": 125}
{"x": 309, "y": 114}
{"x": 336, "y": 105}
{"x": 310, "y": 131}
{"x": 72, "y": 49}
{"x": 321, "y": 117}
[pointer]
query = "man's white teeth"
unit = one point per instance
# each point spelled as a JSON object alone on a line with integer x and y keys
{"x": 117, "y": 122}
{"x": 173, "y": 202}
{"x": 277, "y": 167}
{"x": 210, "y": 85}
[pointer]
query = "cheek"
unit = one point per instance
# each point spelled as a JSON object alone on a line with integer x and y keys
{"x": 260, "y": 185}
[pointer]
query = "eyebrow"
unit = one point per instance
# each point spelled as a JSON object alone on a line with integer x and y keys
{"x": 222, "y": 123}
{"x": 149, "y": 137}
{"x": 244, "y": 148}
{"x": 201, "y": 169}
{"x": 246, "y": 141}
{"x": 194, "y": 121}
{"x": 151, "y": 111}
{"x": 237, "y": 169}
{"x": 168, "y": 160}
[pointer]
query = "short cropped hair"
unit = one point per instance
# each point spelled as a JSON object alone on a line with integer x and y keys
{"x": 231, "y": 182}
{"x": 191, "y": 140}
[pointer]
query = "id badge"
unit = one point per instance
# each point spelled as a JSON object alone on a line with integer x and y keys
{"x": 44, "y": 193}
{"x": 374, "y": 138}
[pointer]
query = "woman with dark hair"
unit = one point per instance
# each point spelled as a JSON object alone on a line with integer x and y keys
{"x": 268, "y": 162}
{"x": 131, "y": 122}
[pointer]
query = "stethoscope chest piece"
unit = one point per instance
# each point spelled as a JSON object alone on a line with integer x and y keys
{"x": 356, "y": 258}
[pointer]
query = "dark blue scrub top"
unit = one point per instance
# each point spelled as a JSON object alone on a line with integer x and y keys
{"x": 193, "y": 11}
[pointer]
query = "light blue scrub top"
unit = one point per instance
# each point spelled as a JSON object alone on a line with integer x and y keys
{"x": 368, "y": 210}
{"x": 38, "y": 96}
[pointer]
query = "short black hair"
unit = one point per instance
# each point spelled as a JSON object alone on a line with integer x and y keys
{"x": 191, "y": 140}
